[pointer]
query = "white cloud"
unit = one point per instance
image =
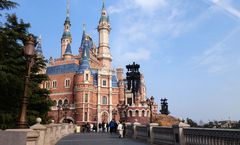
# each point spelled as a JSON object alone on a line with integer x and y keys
{"x": 215, "y": 59}
{"x": 140, "y": 54}
{"x": 150, "y": 5}
{"x": 227, "y": 6}
{"x": 139, "y": 27}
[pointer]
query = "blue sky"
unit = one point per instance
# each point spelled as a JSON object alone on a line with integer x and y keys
{"x": 188, "y": 49}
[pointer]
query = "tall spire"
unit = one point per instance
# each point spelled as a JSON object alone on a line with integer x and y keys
{"x": 66, "y": 36}
{"x": 104, "y": 15}
{"x": 39, "y": 47}
{"x": 83, "y": 35}
{"x": 85, "y": 56}
{"x": 84, "y": 27}
{"x": 103, "y": 6}
{"x": 104, "y": 55}
{"x": 68, "y": 8}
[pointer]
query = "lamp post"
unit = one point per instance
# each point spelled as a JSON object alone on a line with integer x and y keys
{"x": 59, "y": 107}
{"x": 29, "y": 50}
{"x": 150, "y": 103}
{"x": 65, "y": 107}
{"x": 133, "y": 78}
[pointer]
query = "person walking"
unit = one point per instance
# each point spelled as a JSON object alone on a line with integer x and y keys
{"x": 120, "y": 129}
{"x": 111, "y": 125}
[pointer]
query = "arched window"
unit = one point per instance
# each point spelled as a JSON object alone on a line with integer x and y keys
{"x": 47, "y": 85}
{"x": 137, "y": 113}
{"x": 85, "y": 116}
{"x": 86, "y": 78}
{"x": 86, "y": 98}
{"x": 67, "y": 83}
{"x": 104, "y": 83}
{"x": 143, "y": 113}
{"x": 130, "y": 113}
{"x": 54, "y": 84}
{"x": 60, "y": 103}
{"x": 65, "y": 101}
{"x": 54, "y": 102}
{"x": 104, "y": 100}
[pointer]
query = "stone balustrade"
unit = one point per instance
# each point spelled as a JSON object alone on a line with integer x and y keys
{"x": 142, "y": 132}
{"x": 163, "y": 135}
{"x": 200, "y": 136}
{"x": 182, "y": 134}
{"x": 38, "y": 134}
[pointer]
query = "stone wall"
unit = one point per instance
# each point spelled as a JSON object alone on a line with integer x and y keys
{"x": 38, "y": 134}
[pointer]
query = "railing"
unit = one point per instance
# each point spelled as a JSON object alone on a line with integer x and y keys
{"x": 38, "y": 134}
{"x": 129, "y": 131}
{"x": 200, "y": 136}
{"x": 163, "y": 135}
{"x": 142, "y": 132}
{"x": 182, "y": 134}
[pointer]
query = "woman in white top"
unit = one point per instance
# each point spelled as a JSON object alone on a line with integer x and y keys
{"x": 120, "y": 130}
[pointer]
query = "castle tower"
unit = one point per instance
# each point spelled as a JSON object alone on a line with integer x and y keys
{"x": 66, "y": 37}
{"x": 83, "y": 82}
{"x": 39, "y": 47}
{"x": 104, "y": 55}
{"x": 68, "y": 53}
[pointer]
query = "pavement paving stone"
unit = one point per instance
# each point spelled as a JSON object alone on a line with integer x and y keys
{"x": 98, "y": 139}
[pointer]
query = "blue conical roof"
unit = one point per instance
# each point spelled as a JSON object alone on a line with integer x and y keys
{"x": 85, "y": 55}
{"x": 83, "y": 38}
{"x": 68, "y": 49}
{"x": 104, "y": 15}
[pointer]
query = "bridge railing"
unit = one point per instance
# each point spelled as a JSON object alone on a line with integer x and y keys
{"x": 182, "y": 134}
{"x": 199, "y": 136}
{"x": 38, "y": 134}
{"x": 163, "y": 135}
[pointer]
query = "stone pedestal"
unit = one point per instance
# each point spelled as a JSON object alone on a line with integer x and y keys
{"x": 150, "y": 131}
{"x": 178, "y": 133}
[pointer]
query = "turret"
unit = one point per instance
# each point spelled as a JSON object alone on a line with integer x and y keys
{"x": 68, "y": 53}
{"x": 66, "y": 36}
{"x": 84, "y": 65}
{"x": 39, "y": 52}
{"x": 104, "y": 28}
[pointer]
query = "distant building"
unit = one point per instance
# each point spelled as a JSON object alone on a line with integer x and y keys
{"x": 93, "y": 91}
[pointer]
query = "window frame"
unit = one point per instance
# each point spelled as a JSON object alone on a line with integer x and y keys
{"x": 54, "y": 84}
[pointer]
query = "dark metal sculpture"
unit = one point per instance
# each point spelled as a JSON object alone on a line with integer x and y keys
{"x": 164, "y": 106}
{"x": 133, "y": 79}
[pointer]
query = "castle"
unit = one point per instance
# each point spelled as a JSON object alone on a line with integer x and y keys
{"x": 85, "y": 87}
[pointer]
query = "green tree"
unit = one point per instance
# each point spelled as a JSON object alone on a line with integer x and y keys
{"x": 13, "y": 34}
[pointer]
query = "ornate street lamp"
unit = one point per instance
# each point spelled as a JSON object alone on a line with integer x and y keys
{"x": 150, "y": 103}
{"x": 133, "y": 79}
{"x": 59, "y": 106}
{"x": 29, "y": 50}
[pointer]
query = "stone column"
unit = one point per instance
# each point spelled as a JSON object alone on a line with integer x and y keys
{"x": 41, "y": 129}
{"x": 178, "y": 133}
{"x": 150, "y": 131}
{"x": 135, "y": 124}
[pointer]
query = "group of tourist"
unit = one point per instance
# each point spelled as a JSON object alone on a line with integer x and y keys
{"x": 113, "y": 126}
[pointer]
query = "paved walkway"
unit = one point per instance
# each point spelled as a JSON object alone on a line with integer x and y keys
{"x": 98, "y": 139}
